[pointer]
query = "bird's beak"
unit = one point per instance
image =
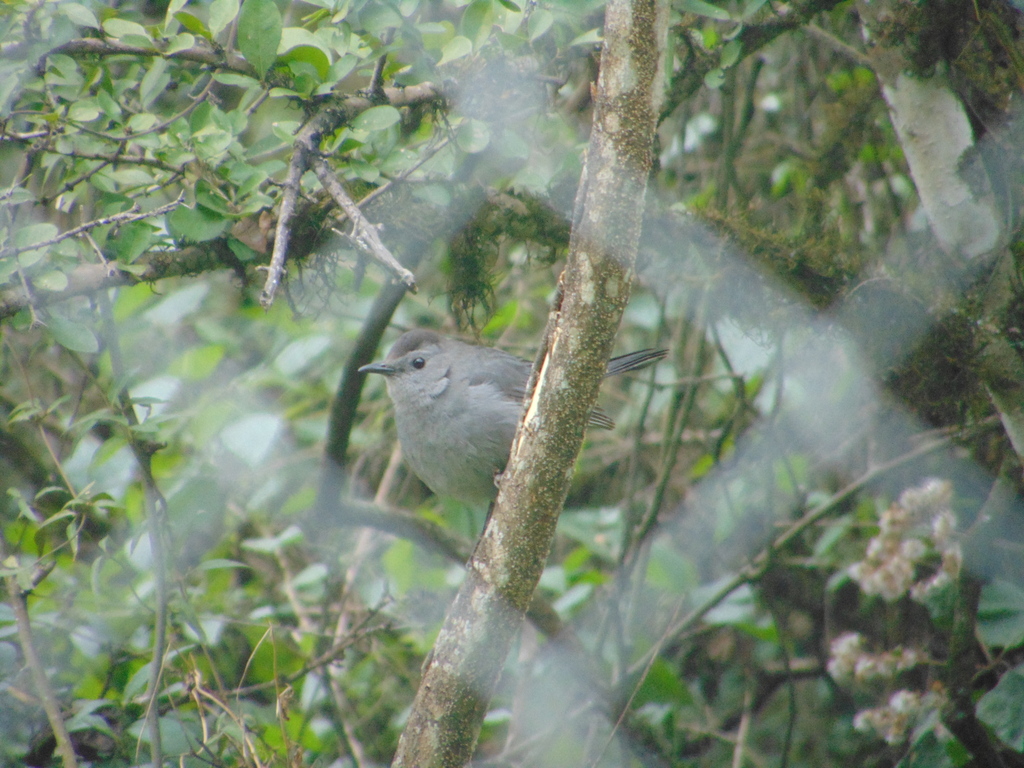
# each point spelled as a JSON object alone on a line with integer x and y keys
{"x": 381, "y": 368}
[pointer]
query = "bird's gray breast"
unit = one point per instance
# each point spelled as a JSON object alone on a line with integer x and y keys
{"x": 457, "y": 441}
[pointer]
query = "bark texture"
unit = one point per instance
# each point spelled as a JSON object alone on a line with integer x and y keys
{"x": 487, "y": 612}
{"x": 937, "y": 139}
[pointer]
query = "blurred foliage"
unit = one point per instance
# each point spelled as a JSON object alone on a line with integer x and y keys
{"x": 800, "y": 546}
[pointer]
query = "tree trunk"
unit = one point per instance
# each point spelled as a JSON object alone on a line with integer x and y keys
{"x": 487, "y": 612}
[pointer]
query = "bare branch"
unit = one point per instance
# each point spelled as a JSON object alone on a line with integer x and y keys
{"x": 51, "y": 706}
{"x": 283, "y": 231}
{"x": 447, "y": 713}
{"x": 88, "y": 278}
{"x": 118, "y": 218}
{"x": 307, "y": 140}
{"x": 89, "y": 46}
{"x": 363, "y": 232}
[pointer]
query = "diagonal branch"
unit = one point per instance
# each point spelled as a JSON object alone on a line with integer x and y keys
{"x": 118, "y": 218}
{"x": 284, "y": 219}
{"x": 19, "y": 606}
{"x": 331, "y": 115}
{"x": 503, "y": 573}
{"x": 363, "y": 232}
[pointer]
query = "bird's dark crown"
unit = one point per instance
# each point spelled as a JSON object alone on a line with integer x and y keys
{"x": 416, "y": 339}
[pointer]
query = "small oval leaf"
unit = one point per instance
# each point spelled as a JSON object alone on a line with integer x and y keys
{"x": 539, "y": 23}
{"x": 376, "y": 118}
{"x": 259, "y": 33}
{"x": 73, "y": 336}
{"x": 455, "y": 48}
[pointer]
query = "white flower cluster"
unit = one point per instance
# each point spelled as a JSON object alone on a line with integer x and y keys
{"x": 903, "y": 711}
{"x": 919, "y": 526}
{"x": 850, "y": 660}
{"x": 893, "y": 555}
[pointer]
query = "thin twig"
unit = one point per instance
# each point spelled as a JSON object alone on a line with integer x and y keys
{"x": 839, "y": 46}
{"x": 19, "y": 605}
{"x": 363, "y": 232}
{"x": 376, "y": 88}
{"x": 427, "y": 154}
{"x": 744, "y": 727}
{"x": 275, "y": 270}
{"x": 6, "y": 135}
{"x": 119, "y": 159}
{"x": 194, "y": 102}
{"x": 118, "y": 218}
{"x": 40, "y": 425}
{"x": 89, "y": 46}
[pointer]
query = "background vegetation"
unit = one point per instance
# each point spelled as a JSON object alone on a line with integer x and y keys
{"x": 802, "y": 544}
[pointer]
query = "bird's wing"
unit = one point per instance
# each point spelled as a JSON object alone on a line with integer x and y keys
{"x": 634, "y": 361}
{"x": 507, "y": 372}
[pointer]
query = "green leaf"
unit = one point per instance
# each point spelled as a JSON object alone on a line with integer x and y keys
{"x": 928, "y": 752}
{"x": 195, "y": 225}
{"x": 177, "y": 305}
{"x": 25, "y": 237}
{"x": 154, "y": 82}
{"x": 308, "y": 54}
{"x": 508, "y": 4}
{"x": 1001, "y": 614}
{"x": 222, "y": 13}
{"x": 311, "y": 576}
{"x": 730, "y": 53}
{"x": 17, "y": 195}
{"x": 662, "y": 685}
{"x": 142, "y": 121}
{"x": 701, "y": 8}
{"x": 669, "y": 570}
{"x": 590, "y": 37}
{"x": 455, "y": 48}
{"x": 181, "y": 42}
{"x": 122, "y": 28}
{"x": 172, "y": 8}
{"x": 1002, "y": 709}
{"x": 193, "y": 24}
{"x": 233, "y": 78}
{"x": 377, "y": 18}
{"x": 73, "y": 336}
{"x": 259, "y": 33}
{"x": 83, "y": 111}
{"x": 339, "y": 71}
{"x": 197, "y": 363}
{"x": 253, "y": 437}
{"x": 400, "y": 564}
{"x": 540, "y": 22}
{"x": 218, "y": 563}
{"x": 136, "y": 686}
{"x": 54, "y": 280}
{"x": 435, "y": 34}
{"x": 300, "y": 353}
{"x": 293, "y": 37}
{"x": 574, "y": 597}
{"x": 714, "y": 78}
{"x": 477, "y": 20}
{"x": 473, "y": 136}
{"x": 376, "y": 118}
{"x": 80, "y": 15}
{"x": 211, "y": 198}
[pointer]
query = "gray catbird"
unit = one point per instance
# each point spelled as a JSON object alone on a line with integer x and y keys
{"x": 457, "y": 406}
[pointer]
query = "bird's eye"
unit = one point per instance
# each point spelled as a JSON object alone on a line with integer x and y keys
{"x": 418, "y": 363}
